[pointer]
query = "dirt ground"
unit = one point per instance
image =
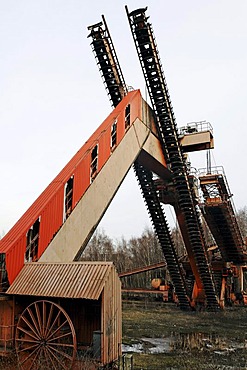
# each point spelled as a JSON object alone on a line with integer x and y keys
{"x": 191, "y": 340}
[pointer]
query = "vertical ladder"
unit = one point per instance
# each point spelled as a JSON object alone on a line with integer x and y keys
{"x": 113, "y": 79}
{"x": 158, "y": 91}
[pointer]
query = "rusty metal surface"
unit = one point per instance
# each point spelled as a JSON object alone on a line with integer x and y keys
{"x": 142, "y": 290}
{"x": 67, "y": 280}
{"x": 138, "y": 270}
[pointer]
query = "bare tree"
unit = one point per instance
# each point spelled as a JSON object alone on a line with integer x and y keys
{"x": 242, "y": 220}
{"x": 128, "y": 255}
{"x": 99, "y": 248}
{"x": 178, "y": 241}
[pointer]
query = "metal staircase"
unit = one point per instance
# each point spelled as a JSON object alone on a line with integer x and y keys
{"x": 150, "y": 62}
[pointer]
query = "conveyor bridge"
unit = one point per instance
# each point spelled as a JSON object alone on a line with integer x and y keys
{"x": 168, "y": 133}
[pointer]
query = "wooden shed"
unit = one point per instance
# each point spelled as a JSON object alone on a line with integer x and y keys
{"x": 80, "y": 302}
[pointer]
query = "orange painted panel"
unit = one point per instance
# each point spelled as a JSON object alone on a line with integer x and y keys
{"x": 49, "y": 206}
{"x": 51, "y": 218}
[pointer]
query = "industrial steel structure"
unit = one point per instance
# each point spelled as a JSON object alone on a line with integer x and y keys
{"x": 178, "y": 189}
{"x": 38, "y": 316}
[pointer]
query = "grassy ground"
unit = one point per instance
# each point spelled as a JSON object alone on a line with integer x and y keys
{"x": 198, "y": 340}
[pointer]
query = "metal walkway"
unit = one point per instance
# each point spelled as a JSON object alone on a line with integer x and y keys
{"x": 219, "y": 213}
{"x": 150, "y": 62}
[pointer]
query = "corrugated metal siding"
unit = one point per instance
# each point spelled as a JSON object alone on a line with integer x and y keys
{"x": 49, "y": 205}
{"x": 15, "y": 257}
{"x": 52, "y": 211}
{"x": 104, "y": 142}
{"x": 67, "y": 280}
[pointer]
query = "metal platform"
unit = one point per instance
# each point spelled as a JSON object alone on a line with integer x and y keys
{"x": 219, "y": 213}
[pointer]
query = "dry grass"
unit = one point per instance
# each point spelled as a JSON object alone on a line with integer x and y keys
{"x": 199, "y": 340}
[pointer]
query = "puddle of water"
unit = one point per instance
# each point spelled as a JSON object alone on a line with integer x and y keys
{"x": 182, "y": 341}
{"x": 159, "y": 345}
{"x": 149, "y": 345}
{"x": 133, "y": 348}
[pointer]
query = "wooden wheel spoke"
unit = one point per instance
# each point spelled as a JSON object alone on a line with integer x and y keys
{"x": 39, "y": 318}
{"x": 59, "y": 337}
{"x": 30, "y": 355}
{"x": 59, "y": 328}
{"x": 45, "y": 337}
{"x": 34, "y": 358}
{"x": 33, "y": 320}
{"x": 28, "y": 348}
{"x": 53, "y": 324}
{"x": 61, "y": 344}
{"x": 27, "y": 332}
{"x": 56, "y": 358}
{"x": 60, "y": 352}
{"x": 42, "y": 361}
{"x": 50, "y": 357}
{"x": 49, "y": 320}
{"x": 27, "y": 340}
{"x": 44, "y": 318}
{"x": 30, "y": 326}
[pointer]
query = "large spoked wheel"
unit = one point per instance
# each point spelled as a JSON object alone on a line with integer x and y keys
{"x": 45, "y": 337}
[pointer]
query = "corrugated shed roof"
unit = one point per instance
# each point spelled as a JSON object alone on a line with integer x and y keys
{"x": 67, "y": 280}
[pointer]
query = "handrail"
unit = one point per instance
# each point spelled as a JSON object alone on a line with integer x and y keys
{"x": 216, "y": 170}
{"x": 195, "y": 127}
{"x": 219, "y": 170}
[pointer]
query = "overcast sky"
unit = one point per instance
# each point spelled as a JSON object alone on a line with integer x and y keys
{"x": 52, "y": 97}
